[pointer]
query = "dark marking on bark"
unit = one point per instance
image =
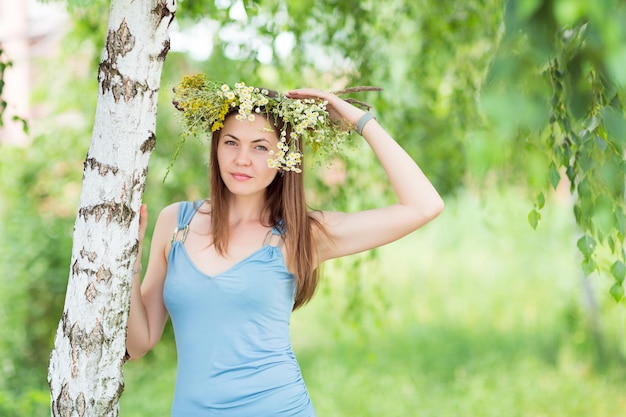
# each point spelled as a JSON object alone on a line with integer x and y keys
{"x": 121, "y": 213}
{"x": 106, "y": 72}
{"x": 107, "y": 405}
{"x": 166, "y": 48}
{"x": 64, "y": 326}
{"x": 91, "y": 292}
{"x": 162, "y": 11}
{"x": 104, "y": 275}
{"x": 120, "y": 41}
{"x": 142, "y": 184}
{"x": 89, "y": 343}
{"x": 80, "y": 405}
{"x": 102, "y": 168}
{"x": 127, "y": 89}
{"x": 74, "y": 354}
{"x": 62, "y": 404}
{"x": 138, "y": 182}
{"x": 128, "y": 254}
{"x": 91, "y": 256}
{"x": 75, "y": 268}
{"x": 120, "y": 389}
{"x": 87, "y": 271}
{"x": 149, "y": 144}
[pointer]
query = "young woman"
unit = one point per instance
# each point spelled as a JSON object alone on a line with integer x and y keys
{"x": 229, "y": 270}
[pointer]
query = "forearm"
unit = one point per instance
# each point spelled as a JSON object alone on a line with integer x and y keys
{"x": 411, "y": 186}
{"x": 138, "y": 334}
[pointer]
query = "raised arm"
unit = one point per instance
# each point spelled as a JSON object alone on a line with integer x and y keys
{"x": 418, "y": 201}
{"x": 148, "y": 314}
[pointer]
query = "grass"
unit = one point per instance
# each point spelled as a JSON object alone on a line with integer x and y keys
{"x": 474, "y": 315}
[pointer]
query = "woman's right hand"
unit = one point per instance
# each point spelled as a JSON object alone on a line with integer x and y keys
{"x": 143, "y": 222}
{"x": 143, "y": 225}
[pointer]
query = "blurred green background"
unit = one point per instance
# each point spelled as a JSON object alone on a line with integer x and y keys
{"x": 491, "y": 310}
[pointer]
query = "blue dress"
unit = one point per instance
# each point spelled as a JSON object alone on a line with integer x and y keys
{"x": 232, "y": 335}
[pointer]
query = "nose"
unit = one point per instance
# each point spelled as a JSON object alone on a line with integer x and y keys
{"x": 242, "y": 158}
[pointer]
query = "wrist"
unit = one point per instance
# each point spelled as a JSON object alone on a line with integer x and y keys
{"x": 363, "y": 120}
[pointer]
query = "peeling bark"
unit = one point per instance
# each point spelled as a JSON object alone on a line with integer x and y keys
{"x": 85, "y": 372}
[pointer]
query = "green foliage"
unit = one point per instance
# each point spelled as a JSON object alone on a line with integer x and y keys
{"x": 4, "y": 64}
{"x": 556, "y": 75}
{"x": 439, "y": 50}
{"x": 32, "y": 403}
{"x": 39, "y": 197}
{"x": 40, "y": 194}
{"x": 431, "y": 57}
{"x": 482, "y": 321}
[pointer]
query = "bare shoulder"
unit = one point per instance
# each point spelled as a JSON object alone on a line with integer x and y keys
{"x": 168, "y": 218}
{"x": 169, "y": 214}
{"x": 170, "y": 210}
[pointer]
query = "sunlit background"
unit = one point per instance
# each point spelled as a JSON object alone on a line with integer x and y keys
{"x": 491, "y": 310}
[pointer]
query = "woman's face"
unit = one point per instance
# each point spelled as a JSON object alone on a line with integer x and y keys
{"x": 242, "y": 152}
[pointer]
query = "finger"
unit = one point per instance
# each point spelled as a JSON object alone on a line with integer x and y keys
{"x": 143, "y": 219}
{"x": 307, "y": 93}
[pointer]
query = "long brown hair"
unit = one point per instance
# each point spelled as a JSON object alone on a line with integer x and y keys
{"x": 285, "y": 208}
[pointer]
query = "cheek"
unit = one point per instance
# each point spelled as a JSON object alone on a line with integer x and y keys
{"x": 223, "y": 153}
{"x": 269, "y": 173}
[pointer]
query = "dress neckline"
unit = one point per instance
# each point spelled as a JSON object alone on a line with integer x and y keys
{"x": 266, "y": 247}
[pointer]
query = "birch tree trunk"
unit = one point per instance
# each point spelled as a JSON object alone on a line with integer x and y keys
{"x": 85, "y": 369}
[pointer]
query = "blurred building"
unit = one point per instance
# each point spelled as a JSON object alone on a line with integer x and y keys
{"x": 28, "y": 29}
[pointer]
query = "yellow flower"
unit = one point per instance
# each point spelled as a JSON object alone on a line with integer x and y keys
{"x": 204, "y": 104}
{"x": 217, "y": 126}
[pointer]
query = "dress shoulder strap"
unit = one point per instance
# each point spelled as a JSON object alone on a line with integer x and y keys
{"x": 279, "y": 228}
{"x": 186, "y": 211}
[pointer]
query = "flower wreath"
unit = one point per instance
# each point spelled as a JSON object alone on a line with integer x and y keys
{"x": 205, "y": 103}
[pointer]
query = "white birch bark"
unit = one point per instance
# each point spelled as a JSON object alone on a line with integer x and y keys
{"x": 85, "y": 370}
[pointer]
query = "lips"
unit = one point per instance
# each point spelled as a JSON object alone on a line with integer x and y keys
{"x": 240, "y": 176}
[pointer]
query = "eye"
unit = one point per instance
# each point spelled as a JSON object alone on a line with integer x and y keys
{"x": 229, "y": 142}
{"x": 261, "y": 148}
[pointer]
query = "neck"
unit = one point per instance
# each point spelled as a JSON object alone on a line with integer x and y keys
{"x": 245, "y": 208}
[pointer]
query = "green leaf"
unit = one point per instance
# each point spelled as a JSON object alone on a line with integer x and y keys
{"x": 588, "y": 265}
{"x": 603, "y": 216}
{"x": 617, "y": 291}
{"x": 619, "y": 271}
{"x": 615, "y": 124}
{"x": 571, "y": 174}
{"x": 541, "y": 201}
{"x": 586, "y": 245}
{"x": 554, "y": 176}
{"x": 611, "y": 243}
{"x": 533, "y": 218}
{"x": 620, "y": 220}
{"x": 525, "y": 8}
{"x": 577, "y": 213}
{"x": 600, "y": 143}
